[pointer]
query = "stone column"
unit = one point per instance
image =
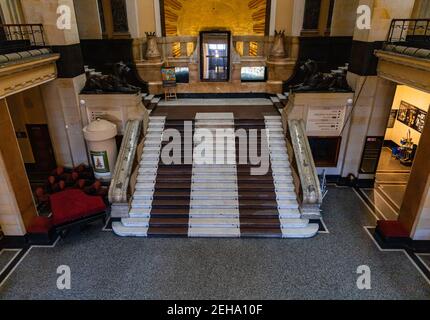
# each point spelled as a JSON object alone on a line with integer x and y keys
{"x": 16, "y": 202}
{"x": 88, "y": 19}
{"x": 415, "y": 210}
{"x": 61, "y": 95}
{"x": 373, "y": 95}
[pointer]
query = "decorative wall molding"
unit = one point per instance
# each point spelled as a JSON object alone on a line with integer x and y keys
{"x": 22, "y": 76}
{"x": 404, "y": 69}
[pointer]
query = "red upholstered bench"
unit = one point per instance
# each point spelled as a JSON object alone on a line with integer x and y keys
{"x": 392, "y": 230}
{"x": 68, "y": 208}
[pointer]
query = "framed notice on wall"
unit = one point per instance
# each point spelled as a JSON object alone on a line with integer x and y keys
{"x": 412, "y": 116}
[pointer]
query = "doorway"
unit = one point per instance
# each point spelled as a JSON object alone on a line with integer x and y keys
{"x": 396, "y": 151}
{"x": 215, "y": 56}
{"x": 43, "y": 152}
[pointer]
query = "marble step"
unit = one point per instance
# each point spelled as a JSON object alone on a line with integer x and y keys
{"x": 154, "y": 119}
{"x": 213, "y": 166}
{"x": 150, "y": 185}
{"x": 155, "y": 130}
{"x": 149, "y": 163}
{"x": 274, "y": 124}
{"x": 289, "y": 213}
{"x": 220, "y": 195}
{"x": 294, "y": 233}
{"x": 221, "y": 178}
{"x": 214, "y": 232}
{"x": 151, "y": 150}
{"x": 150, "y": 156}
{"x": 280, "y": 164}
{"x": 140, "y": 213}
{"x": 148, "y": 171}
{"x": 277, "y": 143}
{"x": 214, "y": 124}
{"x": 141, "y": 204}
{"x": 279, "y": 156}
{"x": 287, "y": 204}
{"x": 286, "y": 195}
{"x": 136, "y": 222}
{"x": 214, "y": 223}
{"x": 214, "y": 187}
{"x": 283, "y": 179}
{"x": 274, "y": 129}
{"x": 280, "y": 170}
{"x": 214, "y": 171}
{"x": 213, "y": 212}
{"x": 293, "y": 223}
{"x": 147, "y": 178}
{"x": 272, "y": 118}
{"x": 155, "y": 124}
{"x": 143, "y": 195}
{"x": 214, "y": 204}
{"x": 123, "y": 231}
{"x": 214, "y": 116}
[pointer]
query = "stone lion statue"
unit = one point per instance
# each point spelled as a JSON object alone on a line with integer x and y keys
{"x": 318, "y": 81}
{"x": 113, "y": 83}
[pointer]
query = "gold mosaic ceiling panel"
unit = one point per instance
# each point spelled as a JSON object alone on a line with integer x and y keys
{"x": 189, "y": 17}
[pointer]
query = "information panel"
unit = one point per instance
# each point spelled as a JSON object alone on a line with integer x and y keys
{"x": 325, "y": 121}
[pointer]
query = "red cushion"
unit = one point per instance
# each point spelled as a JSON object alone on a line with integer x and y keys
{"x": 73, "y": 204}
{"x": 40, "y": 225}
{"x": 392, "y": 229}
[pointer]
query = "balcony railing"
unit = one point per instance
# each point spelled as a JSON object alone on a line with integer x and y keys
{"x": 182, "y": 48}
{"x": 410, "y": 33}
{"x": 21, "y": 37}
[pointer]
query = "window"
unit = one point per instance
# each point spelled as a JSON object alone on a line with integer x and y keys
{"x": 312, "y": 14}
{"x": 113, "y": 17}
{"x": 215, "y": 56}
{"x": 318, "y": 17}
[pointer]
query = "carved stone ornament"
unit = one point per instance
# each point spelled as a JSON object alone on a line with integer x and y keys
{"x": 278, "y": 49}
{"x": 152, "y": 51}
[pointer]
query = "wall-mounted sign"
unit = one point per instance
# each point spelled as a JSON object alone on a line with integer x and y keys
{"x": 325, "y": 121}
{"x": 412, "y": 116}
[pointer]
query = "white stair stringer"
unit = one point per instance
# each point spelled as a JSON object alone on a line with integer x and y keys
{"x": 214, "y": 207}
{"x": 137, "y": 224}
{"x": 292, "y": 223}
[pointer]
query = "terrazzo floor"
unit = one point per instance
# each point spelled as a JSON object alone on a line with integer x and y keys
{"x": 104, "y": 266}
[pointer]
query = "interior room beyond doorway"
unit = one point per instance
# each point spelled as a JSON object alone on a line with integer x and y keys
{"x": 401, "y": 141}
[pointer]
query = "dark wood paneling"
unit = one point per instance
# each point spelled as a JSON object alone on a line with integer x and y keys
{"x": 328, "y": 52}
{"x": 71, "y": 63}
{"x": 363, "y": 60}
{"x": 103, "y": 54}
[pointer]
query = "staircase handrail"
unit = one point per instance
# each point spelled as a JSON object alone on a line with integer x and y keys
{"x": 119, "y": 188}
{"x": 309, "y": 181}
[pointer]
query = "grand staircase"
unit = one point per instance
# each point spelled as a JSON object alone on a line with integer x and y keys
{"x": 222, "y": 198}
